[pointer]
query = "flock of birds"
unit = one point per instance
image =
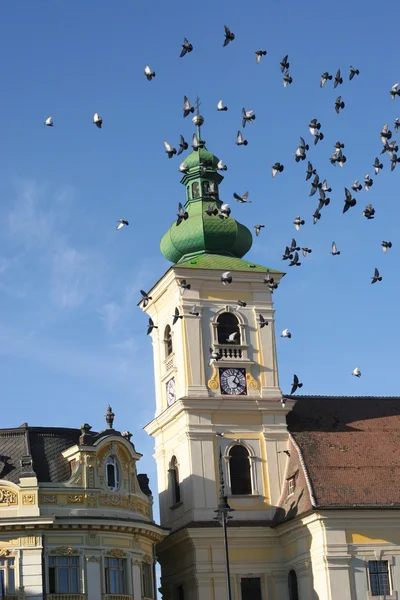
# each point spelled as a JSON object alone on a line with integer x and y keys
{"x": 291, "y": 253}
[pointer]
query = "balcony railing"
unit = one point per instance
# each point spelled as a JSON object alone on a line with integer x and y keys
{"x": 65, "y": 597}
{"x": 230, "y": 351}
{"x": 116, "y": 597}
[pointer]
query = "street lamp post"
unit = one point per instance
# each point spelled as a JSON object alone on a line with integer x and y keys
{"x": 223, "y": 511}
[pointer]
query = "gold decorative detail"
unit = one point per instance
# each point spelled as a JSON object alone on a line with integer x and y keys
{"x": 147, "y": 558}
{"x": 8, "y": 497}
{"x": 29, "y": 541}
{"x": 112, "y": 500}
{"x": 48, "y": 499}
{"x": 251, "y": 382}
{"x": 75, "y": 499}
{"x": 117, "y": 553}
{"x": 213, "y": 382}
{"x": 91, "y": 500}
{"x": 66, "y": 550}
{"x": 4, "y": 552}
{"x": 28, "y": 499}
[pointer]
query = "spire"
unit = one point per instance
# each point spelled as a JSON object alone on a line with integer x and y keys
{"x": 202, "y": 233}
{"x": 109, "y": 417}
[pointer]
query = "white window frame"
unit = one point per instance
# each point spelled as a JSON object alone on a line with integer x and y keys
{"x": 291, "y": 483}
{"x": 55, "y": 556}
{"x": 111, "y": 460}
{"x": 389, "y": 560}
{"x": 5, "y": 569}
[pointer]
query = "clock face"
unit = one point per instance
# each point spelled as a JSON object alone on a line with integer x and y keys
{"x": 233, "y": 381}
{"x": 171, "y": 395}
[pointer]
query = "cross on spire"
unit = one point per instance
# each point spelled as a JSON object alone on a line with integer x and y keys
{"x": 197, "y": 105}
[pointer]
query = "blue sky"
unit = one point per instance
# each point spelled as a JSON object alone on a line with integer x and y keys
{"x": 71, "y": 336}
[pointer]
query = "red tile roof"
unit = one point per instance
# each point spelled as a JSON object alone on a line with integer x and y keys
{"x": 344, "y": 453}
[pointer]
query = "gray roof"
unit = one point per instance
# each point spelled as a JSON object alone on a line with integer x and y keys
{"x": 45, "y": 446}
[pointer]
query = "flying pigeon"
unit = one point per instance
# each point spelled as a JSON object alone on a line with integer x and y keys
{"x": 324, "y": 186}
{"x": 396, "y": 124}
{"x": 284, "y": 452}
{"x": 247, "y": 117}
{"x": 356, "y": 187}
{"x": 339, "y": 104}
{"x": 259, "y": 55}
{"x": 232, "y": 337}
{"x": 356, "y": 372}
{"x": 390, "y": 148}
{"x": 193, "y": 311}
{"x": 145, "y": 298}
{"x": 376, "y": 277}
{"x": 323, "y": 200}
{"x": 385, "y": 134}
{"x": 310, "y": 171}
{"x": 318, "y": 136}
{"x": 338, "y": 79}
{"x": 184, "y": 285}
{"x": 211, "y": 210}
{"x": 149, "y": 73}
{"x": 339, "y": 145}
{"x": 277, "y": 168}
{"x": 221, "y": 166}
{"x": 49, "y": 122}
{"x": 284, "y": 63}
{"x": 316, "y": 216}
{"x": 169, "y": 149}
{"x": 187, "y": 109}
{"x": 241, "y": 304}
{"x": 239, "y": 139}
{"x": 315, "y": 185}
{"x": 97, "y": 120}
{"x": 353, "y": 72}
{"x": 183, "y": 168}
{"x": 186, "y": 47}
{"x": 314, "y": 126}
{"x": 214, "y": 356}
{"x": 338, "y": 157}
{"x": 183, "y": 145}
{"x": 224, "y": 211}
{"x": 297, "y": 222}
{"x": 242, "y": 199}
{"x": 335, "y": 251}
{"x": 287, "y": 255}
{"x": 303, "y": 145}
{"x": 295, "y": 384}
{"x": 393, "y": 161}
{"x": 306, "y": 251}
{"x": 229, "y": 36}
{"x": 286, "y": 333}
{"x": 258, "y": 229}
{"x": 270, "y": 281}
{"x": 294, "y": 246}
{"x": 176, "y": 316}
{"x": 220, "y": 106}
{"x": 377, "y": 165}
{"x": 121, "y": 223}
{"x": 324, "y": 78}
{"x": 369, "y": 212}
{"x": 299, "y": 154}
{"x": 226, "y": 277}
{"x": 368, "y": 182}
{"x": 182, "y": 214}
{"x": 287, "y": 80}
{"x": 151, "y": 326}
{"x": 348, "y": 201}
{"x": 262, "y": 322}
{"x": 295, "y": 261}
{"x": 394, "y": 91}
{"x": 385, "y": 246}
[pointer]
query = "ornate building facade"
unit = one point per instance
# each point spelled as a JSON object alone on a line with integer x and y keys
{"x": 313, "y": 486}
{"x": 76, "y": 519}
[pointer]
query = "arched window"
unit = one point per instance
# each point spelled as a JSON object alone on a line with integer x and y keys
{"x": 112, "y": 473}
{"x": 195, "y": 190}
{"x": 292, "y": 583}
{"x": 206, "y": 188}
{"x": 174, "y": 481}
{"x": 239, "y": 468}
{"x": 227, "y": 326}
{"x": 168, "y": 341}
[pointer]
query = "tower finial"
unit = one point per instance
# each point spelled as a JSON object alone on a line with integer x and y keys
{"x": 198, "y": 119}
{"x": 109, "y": 417}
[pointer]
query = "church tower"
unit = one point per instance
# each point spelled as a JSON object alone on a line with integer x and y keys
{"x": 217, "y": 396}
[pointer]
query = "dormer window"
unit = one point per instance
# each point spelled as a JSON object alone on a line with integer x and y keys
{"x": 112, "y": 473}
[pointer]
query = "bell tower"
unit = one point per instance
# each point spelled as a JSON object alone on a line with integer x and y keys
{"x": 217, "y": 387}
